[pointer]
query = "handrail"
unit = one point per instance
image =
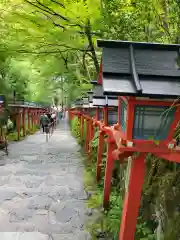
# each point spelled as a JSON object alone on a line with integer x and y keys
{"x": 26, "y": 103}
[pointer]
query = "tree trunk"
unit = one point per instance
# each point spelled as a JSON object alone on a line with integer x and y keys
{"x": 91, "y": 45}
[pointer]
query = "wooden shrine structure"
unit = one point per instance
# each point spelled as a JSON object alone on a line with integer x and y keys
{"x": 142, "y": 80}
{"x": 20, "y": 109}
{"x": 146, "y": 79}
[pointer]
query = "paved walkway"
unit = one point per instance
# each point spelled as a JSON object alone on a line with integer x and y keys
{"x": 41, "y": 189}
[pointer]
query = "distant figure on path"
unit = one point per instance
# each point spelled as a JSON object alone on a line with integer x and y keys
{"x": 44, "y": 121}
{"x": 53, "y": 117}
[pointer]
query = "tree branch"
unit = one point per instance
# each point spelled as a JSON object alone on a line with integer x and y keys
{"x": 53, "y": 22}
{"x": 60, "y": 4}
{"x": 91, "y": 45}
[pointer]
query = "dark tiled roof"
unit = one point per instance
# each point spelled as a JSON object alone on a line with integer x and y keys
{"x": 78, "y": 101}
{"x": 98, "y": 92}
{"x": 140, "y": 69}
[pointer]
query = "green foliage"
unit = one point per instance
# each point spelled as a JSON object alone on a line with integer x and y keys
{"x": 75, "y": 127}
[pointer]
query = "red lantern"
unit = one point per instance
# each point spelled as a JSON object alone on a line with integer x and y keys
{"x": 146, "y": 79}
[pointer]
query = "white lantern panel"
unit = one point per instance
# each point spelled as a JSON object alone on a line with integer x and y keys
{"x": 99, "y": 102}
{"x": 113, "y": 102}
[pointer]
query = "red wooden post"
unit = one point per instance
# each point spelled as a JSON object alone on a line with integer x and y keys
{"x": 29, "y": 119}
{"x": 82, "y": 127}
{"x": 132, "y": 199}
{"x": 90, "y": 135}
{"x": 24, "y": 121}
{"x": 97, "y": 113}
{"x": 108, "y": 173}
{"x": 18, "y": 124}
{"x": 119, "y": 110}
{"x": 32, "y": 119}
{"x": 105, "y": 116}
{"x": 99, "y": 155}
{"x": 87, "y": 135}
{"x": 36, "y": 117}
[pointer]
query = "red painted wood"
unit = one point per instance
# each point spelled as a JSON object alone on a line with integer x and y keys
{"x": 32, "y": 118}
{"x": 173, "y": 156}
{"x": 18, "y": 124}
{"x": 24, "y": 121}
{"x": 121, "y": 156}
{"x": 153, "y": 103}
{"x": 87, "y": 136}
{"x": 82, "y": 127}
{"x": 108, "y": 174}
{"x": 105, "y": 109}
{"x": 132, "y": 199}
{"x": 99, "y": 155}
{"x": 130, "y": 120}
{"x": 29, "y": 119}
{"x": 119, "y": 110}
{"x": 125, "y": 99}
{"x": 145, "y": 148}
{"x": 91, "y": 134}
{"x": 36, "y": 117}
{"x": 97, "y": 113}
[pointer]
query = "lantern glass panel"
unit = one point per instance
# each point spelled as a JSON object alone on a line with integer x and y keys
{"x": 85, "y": 100}
{"x": 151, "y": 122}
{"x": 100, "y": 114}
{"x": 92, "y": 112}
{"x": 99, "y": 102}
{"x": 123, "y": 115}
{"x": 90, "y": 97}
{"x": 112, "y": 116}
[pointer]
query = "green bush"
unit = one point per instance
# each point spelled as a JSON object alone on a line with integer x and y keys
{"x": 75, "y": 127}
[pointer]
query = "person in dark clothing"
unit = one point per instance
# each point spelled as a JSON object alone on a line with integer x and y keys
{"x": 44, "y": 121}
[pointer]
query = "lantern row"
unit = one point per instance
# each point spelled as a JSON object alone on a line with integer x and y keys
{"x": 28, "y": 104}
{"x": 143, "y": 81}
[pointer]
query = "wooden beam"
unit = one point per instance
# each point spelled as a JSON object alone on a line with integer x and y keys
{"x": 133, "y": 68}
{"x": 132, "y": 199}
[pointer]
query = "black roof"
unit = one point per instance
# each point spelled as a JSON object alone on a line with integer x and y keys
{"x": 98, "y": 92}
{"x": 78, "y": 101}
{"x": 140, "y": 69}
{"x": 94, "y": 82}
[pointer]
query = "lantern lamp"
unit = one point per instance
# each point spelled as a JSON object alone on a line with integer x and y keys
{"x": 112, "y": 102}
{"x": 146, "y": 79}
{"x": 77, "y": 104}
{"x": 109, "y": 102}
{"x": 92, "y": 110}
{"x": 85, "y": 101}
{"x": 98, "y": 97}
{"x": 90, "y": 96}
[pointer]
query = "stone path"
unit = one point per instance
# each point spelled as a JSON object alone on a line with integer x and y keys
{"x": 41, "y": 189}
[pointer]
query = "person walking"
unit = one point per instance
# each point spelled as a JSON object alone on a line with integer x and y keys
{"x": 44, "y": 121}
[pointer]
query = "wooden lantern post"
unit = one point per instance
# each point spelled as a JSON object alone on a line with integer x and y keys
{"x": 32, "y": 118}
{"x": 99, "y": 101}
{"x": 24, "y": 121}
{"x": 149, "y": 112}
{"x": 108, "y": 103}
{"x": 18, "y": 122}
{"x": 29, "y": 119}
